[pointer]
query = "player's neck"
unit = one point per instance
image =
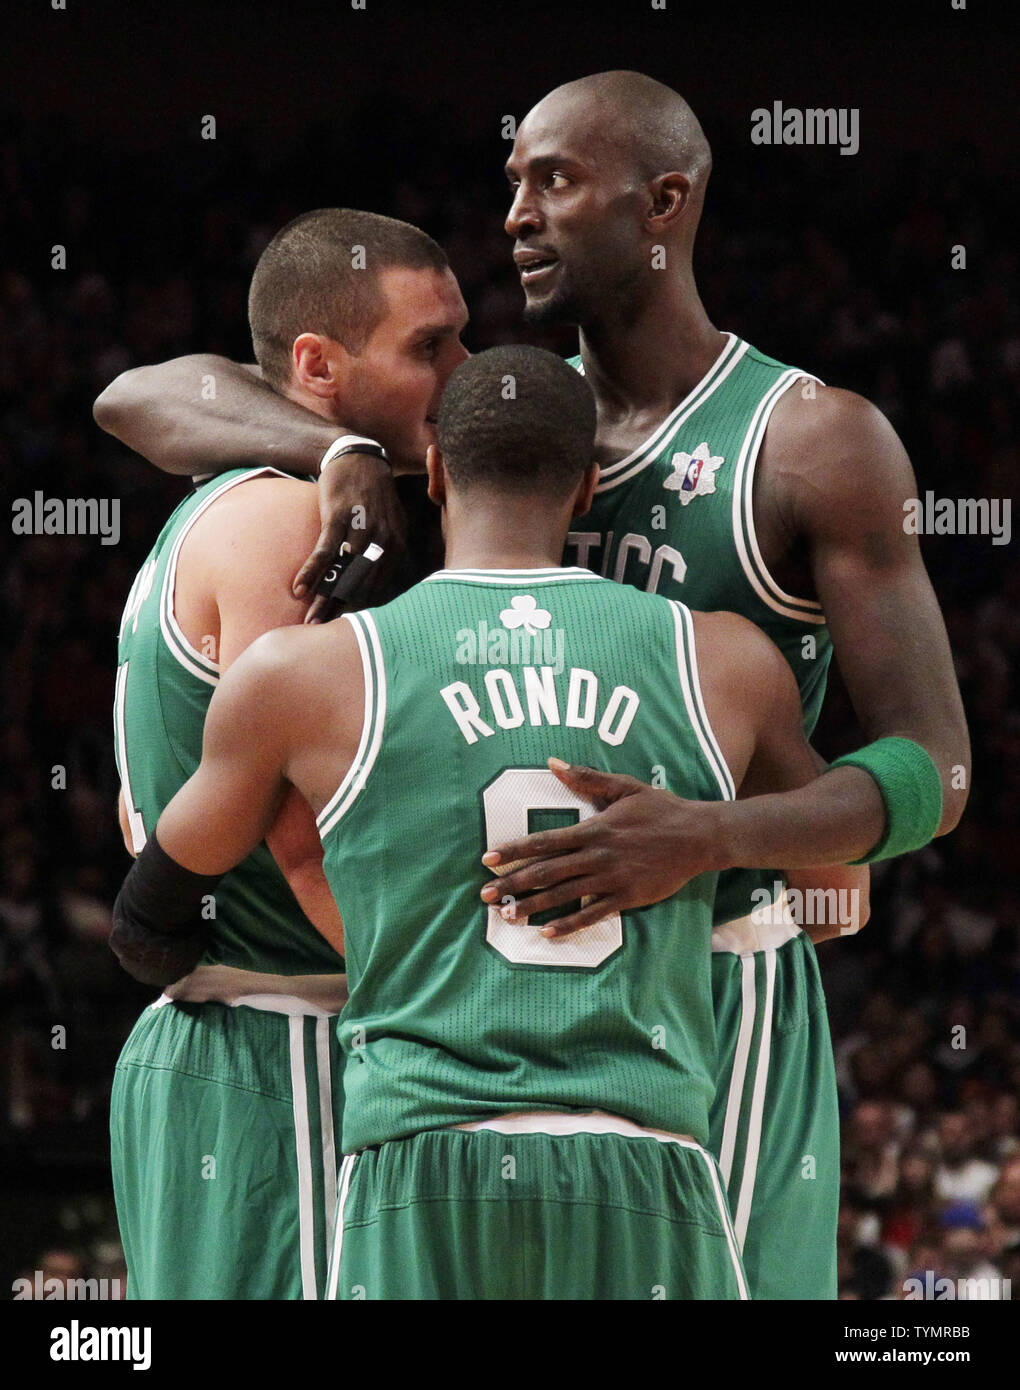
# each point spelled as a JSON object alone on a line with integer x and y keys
{"x": 653, "y": 359}
{"x": 512, "y": 535}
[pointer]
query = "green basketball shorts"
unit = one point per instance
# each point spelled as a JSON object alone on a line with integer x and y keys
{"x": 532, "y": 1207}
{"x": 775, "y": 1120}
{"x": 223, "y": 1123}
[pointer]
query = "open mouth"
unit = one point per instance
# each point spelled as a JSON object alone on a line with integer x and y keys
{"x": 533, "y": 271}
{"x": 534, "y": 265}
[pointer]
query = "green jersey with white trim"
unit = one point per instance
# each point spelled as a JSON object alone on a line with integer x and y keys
{"x": 164, "y": 686}
{"x": 675, "y": 517}
{"x": 473, "y": 679}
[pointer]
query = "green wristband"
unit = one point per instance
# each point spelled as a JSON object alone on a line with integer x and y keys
{"x": 911, "y": 789}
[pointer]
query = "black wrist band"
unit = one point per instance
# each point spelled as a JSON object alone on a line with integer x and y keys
{"x": 158, "y": 931}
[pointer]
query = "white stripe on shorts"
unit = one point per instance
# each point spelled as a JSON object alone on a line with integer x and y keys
{"x": 303, "y": 1145}
{"x": 323, "y": 1028}
{"x": 739, "y": 1073}
{"x": 761, "y": 1077}
{"x": 333, "y": 1278}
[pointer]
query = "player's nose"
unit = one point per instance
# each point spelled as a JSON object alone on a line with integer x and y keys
{"x": 523, "y": 215}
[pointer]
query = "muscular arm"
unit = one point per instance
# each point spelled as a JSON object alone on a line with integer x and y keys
{"x": 165, "y": 413}
{"x": 842, "y": 475}
{"x": 228, "y": 805}
{"x": 647, "y": 843}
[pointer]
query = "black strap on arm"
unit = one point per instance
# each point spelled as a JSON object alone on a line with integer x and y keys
{"x": 159, "y": 934}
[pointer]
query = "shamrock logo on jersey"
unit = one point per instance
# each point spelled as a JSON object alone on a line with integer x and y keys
{"x": 525, "y": 612}
{"x": 693, "y": 474}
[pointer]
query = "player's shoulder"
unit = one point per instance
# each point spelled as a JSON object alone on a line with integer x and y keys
{"x": 830, "y": 418}
{"x": 262, "y": 521}
{"x": 730, "y": 639}
{"x": 296, "y": 661}
{"x": 262, "y": 496}
{"x": 739, "y": 663}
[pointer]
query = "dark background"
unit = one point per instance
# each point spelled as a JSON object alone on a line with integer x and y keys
{"x": 838, "y": 264}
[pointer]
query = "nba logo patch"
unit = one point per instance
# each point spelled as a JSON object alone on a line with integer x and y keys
{"x": 693, "y": 474}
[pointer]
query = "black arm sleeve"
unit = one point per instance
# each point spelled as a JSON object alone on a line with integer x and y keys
{"x": 158, "y": 931}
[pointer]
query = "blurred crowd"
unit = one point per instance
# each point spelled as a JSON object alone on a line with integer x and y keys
{"x": 839, "y": 267}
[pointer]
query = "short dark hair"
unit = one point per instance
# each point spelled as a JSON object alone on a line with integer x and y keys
{"x": 517, "y": 419}
{"x": 320, "y": 274}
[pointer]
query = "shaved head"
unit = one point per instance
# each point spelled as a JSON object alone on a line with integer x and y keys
{"x": 606, "y": 173}
{"x": 648, "y": 123}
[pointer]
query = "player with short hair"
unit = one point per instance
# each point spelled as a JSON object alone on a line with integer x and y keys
{"x": 226, "y": 1104}
{"x": 524, "y": 1117}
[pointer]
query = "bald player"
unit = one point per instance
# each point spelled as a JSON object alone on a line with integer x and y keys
{"x": 732, "y": 481}
{"x": 524, "y": 1118}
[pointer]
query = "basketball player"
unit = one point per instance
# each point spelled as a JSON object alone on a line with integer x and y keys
{"x": 524, "y": 1117}
{"x": 732, "y": 481}
{"x": 799, "y": 490}
{"x": 225, "y": 1106}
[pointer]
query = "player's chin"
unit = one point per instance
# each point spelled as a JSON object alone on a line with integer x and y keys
{"x": 547, "y": 309}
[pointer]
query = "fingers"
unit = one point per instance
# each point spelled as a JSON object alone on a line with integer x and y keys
{"x": 541, "y": 845}
{"x": 595, "y": 786}
{"x": 587, "y": 916}
{"x": 322, "y": 609}
{"x": 551, "y": 882}
{"x": 332, "y": 535}
{"x": 532, "y": 904}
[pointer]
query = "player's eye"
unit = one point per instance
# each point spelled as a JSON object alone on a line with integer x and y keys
{"x": 429, "y": 347}
{"x": 563, "y": 181}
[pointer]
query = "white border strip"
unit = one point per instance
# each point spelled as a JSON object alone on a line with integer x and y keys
{"x": 739, "y": 1074}
{"x": 522, "y": 577}
{"x": 333, "y": 1280}
{"x": 357, "y": 773}
{"x": 755, "y": 570}
{"x": 761, "y": 1077}
{"x": 691, "y": 688}
{"x": 323, "y": 1028}
{"x": 173, "y": 635}
{"x": 303, "y": 1145}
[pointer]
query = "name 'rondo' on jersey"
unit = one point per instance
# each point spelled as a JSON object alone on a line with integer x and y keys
{"x": 473, "y": 679}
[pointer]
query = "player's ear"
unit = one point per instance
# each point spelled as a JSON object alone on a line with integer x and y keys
{"x": 436, "y": 470}
{"x": 670, "y": 194}
{"x": 318, "y": 364}
{"x": 586, "y": 491}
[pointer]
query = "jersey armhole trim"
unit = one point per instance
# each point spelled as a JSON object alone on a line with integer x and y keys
{"x": 196, "y": 662}
{"x": 374, "y": 673}
{"x": 803, "y": 610}
{"x": 690, "y": 684}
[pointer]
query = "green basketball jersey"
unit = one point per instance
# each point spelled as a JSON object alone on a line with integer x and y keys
{"x": 473, "y": 679}
{"x": 164, "y": 686}
{"x": 675, "y": 517}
